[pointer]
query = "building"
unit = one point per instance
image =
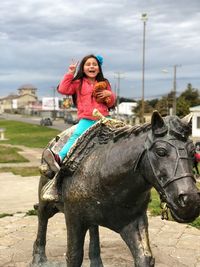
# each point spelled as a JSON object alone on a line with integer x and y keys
{"x": 125, "y": 112}
{"x": 195, "y": 121}
{"x": 18, "y": 103}
{"x": 126, "y": 108}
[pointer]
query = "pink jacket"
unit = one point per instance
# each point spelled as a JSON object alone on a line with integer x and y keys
{"x": 86, "y": 103}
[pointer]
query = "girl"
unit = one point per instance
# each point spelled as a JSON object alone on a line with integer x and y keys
{"x": 88, "y": 78}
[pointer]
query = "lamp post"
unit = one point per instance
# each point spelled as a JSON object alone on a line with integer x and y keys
{"x": 144, "y": 18}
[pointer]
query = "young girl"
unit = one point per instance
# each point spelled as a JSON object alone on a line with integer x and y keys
{"x": 83, "y": 84}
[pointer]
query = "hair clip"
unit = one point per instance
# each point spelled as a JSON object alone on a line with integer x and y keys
{"x": 100, "y": 59}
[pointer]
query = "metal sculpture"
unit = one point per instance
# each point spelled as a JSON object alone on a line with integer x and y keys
{"x": 111, "y": 186}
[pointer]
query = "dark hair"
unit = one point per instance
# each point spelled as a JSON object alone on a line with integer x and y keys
{"x": 80, "y": 73}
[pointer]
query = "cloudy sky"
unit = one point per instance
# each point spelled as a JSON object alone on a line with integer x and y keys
{"x": 38, "y": 39}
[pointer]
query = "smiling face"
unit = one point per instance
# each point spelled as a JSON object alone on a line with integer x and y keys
{"x": 91, "y": 68}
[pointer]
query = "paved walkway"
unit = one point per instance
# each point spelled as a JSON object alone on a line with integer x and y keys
{"x": 173, "y": 244}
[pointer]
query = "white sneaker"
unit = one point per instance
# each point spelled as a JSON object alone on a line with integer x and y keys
{"x": 48, "y": 156}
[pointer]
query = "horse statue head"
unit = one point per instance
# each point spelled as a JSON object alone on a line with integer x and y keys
{"x": 169, "y": 155}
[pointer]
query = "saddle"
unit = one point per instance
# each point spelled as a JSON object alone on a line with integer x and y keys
{"x": 83, "y": 144}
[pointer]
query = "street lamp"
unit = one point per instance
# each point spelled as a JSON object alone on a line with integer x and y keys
{"x": 144, "y": 18}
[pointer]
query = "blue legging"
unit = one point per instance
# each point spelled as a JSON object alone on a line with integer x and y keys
{"x": 81, "y": 127}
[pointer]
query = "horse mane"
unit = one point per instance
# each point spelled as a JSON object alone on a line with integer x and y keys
{"x": 102, "y": 133}
{"x": 125, "y": 132}
{"x": 98, "y": 134}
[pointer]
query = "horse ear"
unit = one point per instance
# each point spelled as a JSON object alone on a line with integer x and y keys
{"x": 187, "y": 120}
{"x": 159, "y": 127}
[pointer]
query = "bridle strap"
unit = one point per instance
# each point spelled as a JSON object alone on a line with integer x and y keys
{"x": 177, "y": 178}
{"x": 163, "y": 186}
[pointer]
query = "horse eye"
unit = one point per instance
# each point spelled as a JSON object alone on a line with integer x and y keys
{"x": 161, "y": 152}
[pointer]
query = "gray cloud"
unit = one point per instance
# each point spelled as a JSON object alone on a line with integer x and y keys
{"x": 38, "y": 39}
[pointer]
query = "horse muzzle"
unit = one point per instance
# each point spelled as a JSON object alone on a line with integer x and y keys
{"x": 186, "y": 208}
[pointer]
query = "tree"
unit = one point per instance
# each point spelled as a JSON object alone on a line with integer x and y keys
{"x": 189, "y": 98}
{"x": 138, "y": 110}
{"x": 163, "y": 106}
{"x": 153, "y": 102}
{"x": 182, "y": 107}
{"x": 191, "y": 95}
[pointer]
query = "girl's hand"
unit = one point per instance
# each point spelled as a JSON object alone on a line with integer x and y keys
{"x": 102, "y": 95}
{"x": 72, "y": 67}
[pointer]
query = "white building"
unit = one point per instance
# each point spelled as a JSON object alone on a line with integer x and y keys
{"x": 195, "y": 121}
{"x": 126, "y": 108}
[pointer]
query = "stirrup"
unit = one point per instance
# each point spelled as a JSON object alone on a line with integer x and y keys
{"x": 49, "y": 191}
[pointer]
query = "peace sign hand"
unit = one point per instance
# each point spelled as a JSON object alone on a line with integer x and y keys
{"x": 73, "y": 66}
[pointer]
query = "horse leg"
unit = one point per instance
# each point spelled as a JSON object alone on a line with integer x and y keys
{"x": 94, "y": 247}
{"x": 76, "y": 232}
{"x": 45, "y": 211}
{"x": 137, "y": 238}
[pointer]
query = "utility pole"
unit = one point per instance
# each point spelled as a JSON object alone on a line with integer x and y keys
{"x": 144, "y": 18}
{"x": 118, "y": 76}
{"x": 54, "y": 102}
{"x": 174, "y": 88}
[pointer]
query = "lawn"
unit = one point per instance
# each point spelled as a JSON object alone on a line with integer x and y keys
{"x": 11, "y": 155}
{"x": 23, "y": 171}
{"x": 20, "y": 133}
{"x": 30, "y": 135}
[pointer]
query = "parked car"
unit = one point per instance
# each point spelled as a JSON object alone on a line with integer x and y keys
{"x": 46, "y": 122}
{"x": 69, "y": 119}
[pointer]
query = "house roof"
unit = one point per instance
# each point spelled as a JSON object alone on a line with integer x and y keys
{"x": 196, "y": 108}
{"x": 27, "y": 86}
{"x": 11, "y": 96}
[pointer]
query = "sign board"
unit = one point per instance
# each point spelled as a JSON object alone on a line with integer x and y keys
{"x": 14, "y": 103}
{"x": 50, "y": 103}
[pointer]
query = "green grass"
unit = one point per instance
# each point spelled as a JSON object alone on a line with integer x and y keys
{"x": 2, "y": 215}
{"x": 28, "y": 213}
{"x": 11, "y": 155}
{"x": 23, "y": 171}
{"x": 30, "y": 135}
{"x": 154, "y": 205}
{"x": 31, "y": 213}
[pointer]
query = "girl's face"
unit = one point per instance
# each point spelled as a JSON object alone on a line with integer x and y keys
{"x": 91, "y": 68}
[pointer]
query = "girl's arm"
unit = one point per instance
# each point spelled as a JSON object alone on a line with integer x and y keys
{"x": 67, "y": 86}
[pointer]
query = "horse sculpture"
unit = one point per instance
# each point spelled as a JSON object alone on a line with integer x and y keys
{"x": 111, "y": 186}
